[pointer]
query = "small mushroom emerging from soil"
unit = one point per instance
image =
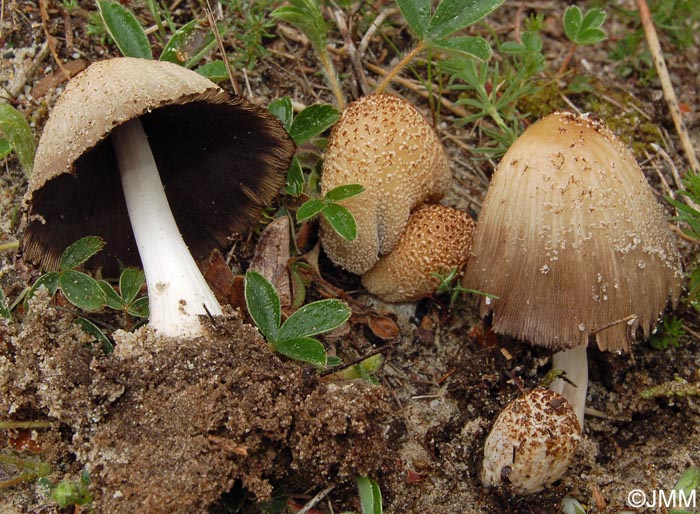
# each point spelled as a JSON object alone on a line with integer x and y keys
{"x": 528, "y": 455}
{"x": 436, "y": 240}
{"x": 383, "y": 143}
{"x": 574, "y": 245}
{"x": 131, "y": 139}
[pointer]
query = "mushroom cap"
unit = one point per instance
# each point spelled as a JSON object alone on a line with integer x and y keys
{"x": 572, "y": 240}
{"x": 383, "y": 143}
{"x": 221, "y": 160}
{"x": 532, "y": 442}
{"x": 437, "y": 239}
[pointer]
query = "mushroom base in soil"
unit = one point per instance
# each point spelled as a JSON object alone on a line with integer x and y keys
{"x": 177, "y": 291}
{"x": 570, "y": 239}
{"x": 169, "y": 425}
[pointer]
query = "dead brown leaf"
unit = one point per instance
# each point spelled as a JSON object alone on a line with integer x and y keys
{"x": 271, "y": 256}
{"x": 58, "y": 77}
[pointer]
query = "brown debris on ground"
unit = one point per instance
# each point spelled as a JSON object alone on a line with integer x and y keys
{"x": 169, "y": 426}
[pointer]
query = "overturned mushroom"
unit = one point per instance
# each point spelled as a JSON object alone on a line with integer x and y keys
{"x": 131, "y": 139}
{"x": 384, "y": 144}
{"x": 574, "y": 244}
{"x": 436, "y": 240}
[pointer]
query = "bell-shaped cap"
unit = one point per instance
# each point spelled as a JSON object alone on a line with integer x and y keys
{"x": 572, "y": 240}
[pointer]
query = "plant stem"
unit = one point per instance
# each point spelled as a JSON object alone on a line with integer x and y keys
{"x": 20, "y": 463}
{"x": 399, "y": 66}
{"x": 6, "y": 247}
{"x": 567, "y": 59}
{"x": 12, "y": 425}
{"x": 24, "y": 477}
{"x": 332, "y": 77}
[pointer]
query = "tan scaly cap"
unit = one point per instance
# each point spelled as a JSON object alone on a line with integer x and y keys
{"x": 383, "y": 143}
{"x": 221, "y": 160}
{"x": 436, "y": 240}
{"x": 571, "y": 239}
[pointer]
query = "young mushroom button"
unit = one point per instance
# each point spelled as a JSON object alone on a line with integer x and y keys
{"x": 159, "y": 162}
{"x": 574, "y": 244}
{"x": 383, "y": 143}
{"x": 436, "y": 240}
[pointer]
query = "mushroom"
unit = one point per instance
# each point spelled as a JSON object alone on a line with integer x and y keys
{"x": 529, "y": 455}
{"x": 574, "y": 245}
{"x": 436, "y": 240}
{"x": 383, "y": 143}
{"x": 129, "y": 140}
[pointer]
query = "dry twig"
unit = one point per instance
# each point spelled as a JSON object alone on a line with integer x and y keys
{"x": 50, "y": 39}
{"x": 666, "y": 86}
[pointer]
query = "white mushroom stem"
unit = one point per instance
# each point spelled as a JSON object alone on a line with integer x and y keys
{"x": 575, "y": 363}
{"x": 177, "y": 291}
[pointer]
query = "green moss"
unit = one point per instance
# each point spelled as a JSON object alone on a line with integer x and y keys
{"x": 547, "y": 100}
{"x": 618, "y": 110}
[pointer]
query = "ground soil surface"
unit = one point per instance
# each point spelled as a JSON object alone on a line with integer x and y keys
{"x": 222, "y": 424}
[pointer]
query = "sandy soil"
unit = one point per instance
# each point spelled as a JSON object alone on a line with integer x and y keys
{"x": 182, "y": 430}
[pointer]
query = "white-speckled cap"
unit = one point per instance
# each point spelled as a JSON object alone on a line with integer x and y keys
{"x": 221, "y": 159}
{"x": 572, "y": 240}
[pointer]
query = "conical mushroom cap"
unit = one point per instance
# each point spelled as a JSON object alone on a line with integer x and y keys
{"x": 572, "y": 240}
{"x": 221, "y": 160}
{"x": 383, "y": 143}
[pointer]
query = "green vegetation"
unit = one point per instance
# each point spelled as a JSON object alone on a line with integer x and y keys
{"x": 435, "y": 30}
{"x": 306, "y": 15}
{"x": 90, "y": 295}
{"x": 370, "y": 495}
{"x": 450, "y": 285}
{"x": 669, "y": 333}
{"x": 337, "y": 216}
{"x": 687, "y": 484}
{"x": 31, "y": 470}
{"x": 303, "y": 128}
{"x": 293, "y": 338}
{"x": 69, "y": 492}
{"x": 186, "y": 46}
{"x": 675, "y": 20}
{"x": 16, "y": 134}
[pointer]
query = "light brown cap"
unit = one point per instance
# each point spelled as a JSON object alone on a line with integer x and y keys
{"x": 221, "y": 160}
{"x": 572, "y": 240}
{"x": 383, "y": 143}
{"x": 436, "y": 240}
{"x": 532, "y": 442}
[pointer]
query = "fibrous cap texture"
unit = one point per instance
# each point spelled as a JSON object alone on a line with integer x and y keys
{"x": 532, "y": 442}
{"x": 383, "y": 143}
{"x": 221, "y": 159}
{"x": 572, "y": 240}
{"x": 437, "y": 239}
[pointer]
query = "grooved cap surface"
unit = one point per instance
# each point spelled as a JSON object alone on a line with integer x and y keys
{"x": 572, "y": 240}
